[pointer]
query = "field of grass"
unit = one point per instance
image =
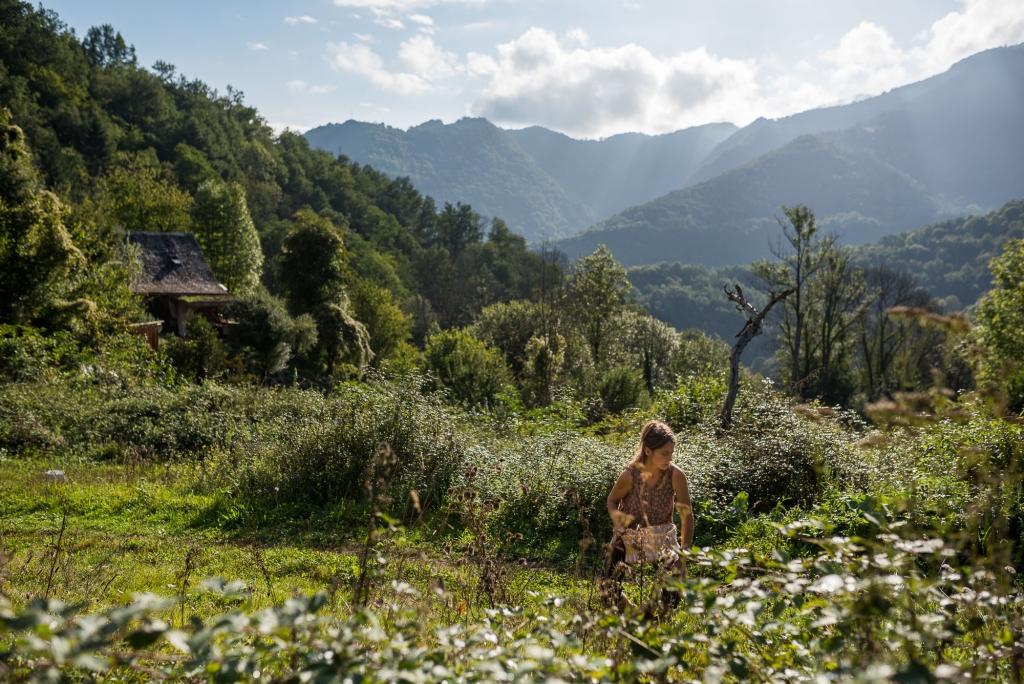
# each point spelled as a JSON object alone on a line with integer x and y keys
{"x": 375, "y": 534}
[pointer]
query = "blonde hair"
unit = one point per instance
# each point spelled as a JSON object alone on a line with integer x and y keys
{"x": 654, "y": 436}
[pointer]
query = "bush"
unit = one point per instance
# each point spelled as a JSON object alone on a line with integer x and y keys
{"x": 622, "y": 388}
{"x": 200, "y": 356}
{"x": 472, "y": 372}
{"x": 321, "y": 455}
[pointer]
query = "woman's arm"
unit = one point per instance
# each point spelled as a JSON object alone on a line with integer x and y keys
{"x": 622, "y": 486}
{"x": 684, "y": 506}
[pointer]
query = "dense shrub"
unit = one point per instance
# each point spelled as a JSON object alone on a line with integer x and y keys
{"x": 311, "y": 459}
{"x": 471, "y": 371}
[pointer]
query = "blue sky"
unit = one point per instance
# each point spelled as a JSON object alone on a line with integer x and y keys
{"x": 587, "y": 68}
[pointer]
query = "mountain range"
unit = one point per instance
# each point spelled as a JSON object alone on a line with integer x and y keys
{"x": 946, "y": 146}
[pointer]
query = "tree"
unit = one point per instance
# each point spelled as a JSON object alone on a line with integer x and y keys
{"x": 597, "y": 289}
{"x": 227, "y": 236}
{"x": 471, "y": 371}
{"x": 1001, "y": 318}
{"x": 884, "y": 339}
{"x": 36, "y": 250}
{"x": 387, "y": 326}
{"x": 266, "y": 337}
{"x": 105, "y": 47}
{"x": 312, "y": 270}
{"x": 456, "y": 227}
{"x": 802, "y": 252}
{"x": 141, "y": 199}
{"x": 647, "y": 343}
{"x": 836, "y": 302}
{"x": 750, "y": 330}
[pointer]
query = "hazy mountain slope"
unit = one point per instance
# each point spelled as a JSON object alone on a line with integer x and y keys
{"x": 624, "y": 170}
{"x": 949, "y": 258}
{"x": 470, "y": 161}
{"x": 972, "y": 111}
{"x": 728, "y": 220}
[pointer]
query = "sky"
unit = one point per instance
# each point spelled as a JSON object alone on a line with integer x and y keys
{"x": 587, "y": 68}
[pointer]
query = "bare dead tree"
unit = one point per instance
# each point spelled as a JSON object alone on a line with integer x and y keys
{"x": 752, "y": 329}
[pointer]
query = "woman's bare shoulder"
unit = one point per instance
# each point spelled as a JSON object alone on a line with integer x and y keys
{"x": 677, "y": 474}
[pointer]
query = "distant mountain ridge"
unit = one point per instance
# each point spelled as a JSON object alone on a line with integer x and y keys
{"x": 470, "y": 161}
{"x": 544, "y": 184}
{"x": 947, "y": 146}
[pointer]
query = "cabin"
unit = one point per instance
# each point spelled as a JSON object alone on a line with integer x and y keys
{"x": 176, "y": 281}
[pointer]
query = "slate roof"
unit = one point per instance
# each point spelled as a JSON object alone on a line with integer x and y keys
{"x": 173, "y": 264}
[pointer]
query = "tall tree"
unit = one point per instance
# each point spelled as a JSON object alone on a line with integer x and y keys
{"x": 883, "y": 338}
{"x": 802, "y": 251}
{"x": 312, "y": 272}
{"x": 226, "y": 234}
{"x": 142, "y": 199}
{"x": 597, "y": 288}
{"x": 36, "y": 251}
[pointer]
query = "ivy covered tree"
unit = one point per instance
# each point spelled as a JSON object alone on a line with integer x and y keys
{"x": 312, "y": 271}
{"x": 36, "y": 250}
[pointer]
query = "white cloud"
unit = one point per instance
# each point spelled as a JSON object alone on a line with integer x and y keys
{"x": 421, "y": 19}
{"x": 478, "y": 26}
{"x": 631, "y": 5}
{"x": 426, "y": 59}
{"x": 256, "y": 46}
{"x": 981, "y": 25}
{"x": 365, "y": 37}
{"x": 403, "y": 5}
{"x": 480, "y": 65}
{"x": 868, "y": 60}
{"x": 360, "y": 59}
{"x": 578, "y": 36}
{"x": 300, "y": 86}
{"x": 599, "y": 91}
{"x": 389, "y": 22}
{"x": 304, "y": 19}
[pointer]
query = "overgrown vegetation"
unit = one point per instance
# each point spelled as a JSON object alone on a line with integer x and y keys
{"x": 397, "y": 462}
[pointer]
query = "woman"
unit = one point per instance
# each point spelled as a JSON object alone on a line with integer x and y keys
{"x": 641, "y": 505}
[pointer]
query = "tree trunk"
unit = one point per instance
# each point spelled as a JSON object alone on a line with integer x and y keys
{"x": 751, "y": 330}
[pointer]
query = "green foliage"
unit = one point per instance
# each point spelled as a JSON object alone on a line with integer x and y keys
{"x": 202, "y": 355}
{"x": 36, "y": 251}
{"x": 143, "y": 198}
{"x": 265, "y": 336}
{"x": 949, "y": 259}
{"x": 597, "y": 288}
{"x": 622, "y": 388}
{"x": 28, "y": 354}
{"x": 312, "y": 271}
{"x": 386, "y": 325}
{"x": 1001, "y": 315}
{"x": 331, "y": 442}
{"x": 227, "y": 235}
{"x": 471, "y": 371}
{"x": 694, "y": 401}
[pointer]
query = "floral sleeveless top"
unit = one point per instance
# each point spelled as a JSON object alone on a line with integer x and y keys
{"x": 649, "y": 506}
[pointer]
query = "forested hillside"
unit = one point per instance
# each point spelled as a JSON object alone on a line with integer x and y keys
{"x": 470, "y": 161}
{"x": 730, "y": 219}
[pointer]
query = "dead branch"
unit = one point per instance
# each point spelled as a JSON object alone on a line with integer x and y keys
{"x": 750, "y": 330}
